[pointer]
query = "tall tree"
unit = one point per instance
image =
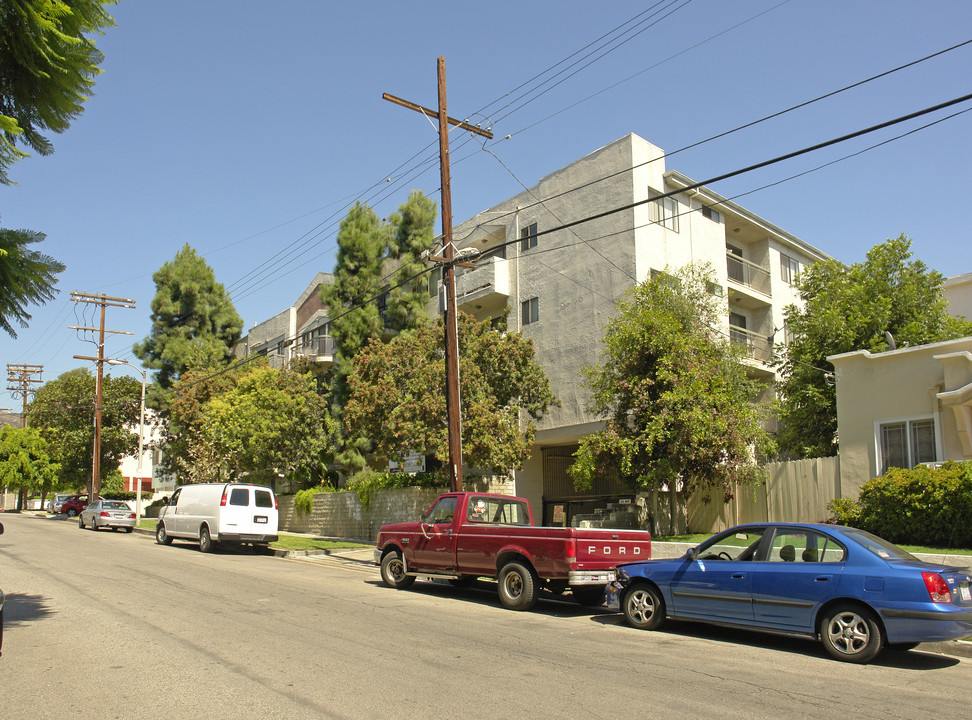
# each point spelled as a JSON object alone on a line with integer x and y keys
{"x": 25, "y": 462}
{"x": 48, "y": 65}
{"x": 847, "y": 308}
{"x": 272, "y": 422}
{"x": 414, "y": 234}
{"x": 194, "y": 323}
{"x": 62, "y": 409}
{"x": 397, "y": 395}
{"x": 362, "y": 245}
{"x": 677, "y": 400}
{"x": 26, "y": 276}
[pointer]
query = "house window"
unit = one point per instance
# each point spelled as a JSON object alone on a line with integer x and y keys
{"x": 528, "y": 237}
{"x": 664, "y": 211}
{"x": 530, "y": 310}
{"x": 713, "y": 215}
{"x": 907, "y": 443}
{"x": 789, "y": 269}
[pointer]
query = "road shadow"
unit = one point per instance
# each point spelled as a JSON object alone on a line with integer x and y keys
{"x": 911, "y": 660}
{"x": 483, "y": 592}
{"x": 20, "y": 608}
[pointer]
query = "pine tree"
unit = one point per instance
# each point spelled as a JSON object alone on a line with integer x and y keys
{"x": 414, "y": 234}
{"x": 194, "y": 323}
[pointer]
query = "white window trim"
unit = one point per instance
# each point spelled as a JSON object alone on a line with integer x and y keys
{"x": 907, "y": 419}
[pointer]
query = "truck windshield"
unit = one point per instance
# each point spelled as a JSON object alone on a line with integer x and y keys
{"x": 501, "y": 511}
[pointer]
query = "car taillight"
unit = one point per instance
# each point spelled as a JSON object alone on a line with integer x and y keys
{"x": 104, "y": 513}
{"x": 132, "y": 516}
{"x": 571, "y": 551}
{"x": 222, "y": 500}
{"x": 275, "y": 503}
{"x": 937, "y": 587}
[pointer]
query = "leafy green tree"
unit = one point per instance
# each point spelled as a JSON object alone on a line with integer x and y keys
{"x": 48, "y": 65}
{"x": 194, "y": 323}
{"x": 186, "y": 449}
{"x": 414, "y": 234}
{"x": 63, "y": 411}
{"x": 271, "y": 422}
{"x": 678, "y": 403}
{"x": 397, "y": 395}
{"x": 25, "y": 461}
{"x": 26, "y": 276}
{"x": 848, "y": 308}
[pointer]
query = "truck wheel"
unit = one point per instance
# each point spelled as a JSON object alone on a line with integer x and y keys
{"x": 161, "y": 536}
{"x": 517, "y": 586}
{"x": 393, "y": 572}
{"x": 588, "y": 595}
{"x": 206, "y": 543}
{"x": 643, "y": 607}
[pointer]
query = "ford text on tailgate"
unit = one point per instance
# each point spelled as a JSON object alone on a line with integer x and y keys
{"x": 465, "y": 536}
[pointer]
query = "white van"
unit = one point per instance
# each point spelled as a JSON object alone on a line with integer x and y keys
{"x": 219, "y": 512}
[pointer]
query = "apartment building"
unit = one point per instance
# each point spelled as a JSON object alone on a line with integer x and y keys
{"x": 559, "y": 287}
{"x": 303, "y": 329}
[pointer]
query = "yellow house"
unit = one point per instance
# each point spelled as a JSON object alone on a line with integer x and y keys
{"x": 902, "y": 408}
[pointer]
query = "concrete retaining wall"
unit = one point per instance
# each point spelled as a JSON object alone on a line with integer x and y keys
{"x": 341, "y": 515}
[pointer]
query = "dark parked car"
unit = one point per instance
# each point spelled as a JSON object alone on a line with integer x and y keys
{"x": 73, "y": 506}
{"x": 852, "y": 590}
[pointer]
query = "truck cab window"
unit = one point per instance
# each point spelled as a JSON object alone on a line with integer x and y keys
{"x": 443, "y": 511}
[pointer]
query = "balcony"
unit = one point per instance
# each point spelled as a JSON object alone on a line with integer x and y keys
{"x": 483, "y": 291}
{"x": 319, "y": 349}
{"x": 749, "y": 280}
{"x": 753, "y": 345}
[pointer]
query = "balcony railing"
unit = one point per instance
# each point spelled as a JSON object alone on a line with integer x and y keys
{"x": 756, "y": 346}
{"x": 748, "y": 273}
{"x": 319, "y": 348}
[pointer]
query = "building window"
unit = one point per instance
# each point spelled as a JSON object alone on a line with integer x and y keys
{"x": 664, "y": 211}
{"x": 713, "y": 215}
{"x": 530, "y": 310}
{"x": 528, "y": 237}
{"x": 907, "y": 443}
{"x": 789, "y": 269}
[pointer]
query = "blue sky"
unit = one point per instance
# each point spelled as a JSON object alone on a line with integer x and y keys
{"x": 244, "y": 127}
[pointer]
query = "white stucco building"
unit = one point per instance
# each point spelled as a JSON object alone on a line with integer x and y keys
{"x": 559, "y": 288}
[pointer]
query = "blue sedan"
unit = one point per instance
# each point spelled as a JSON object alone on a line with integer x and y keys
{"x": 850, "y": 589}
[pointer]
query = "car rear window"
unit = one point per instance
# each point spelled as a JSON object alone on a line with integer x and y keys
{"x": 264, "y": 498}
{"x": 239, "y": 496}
{"x": 879, "y": 546}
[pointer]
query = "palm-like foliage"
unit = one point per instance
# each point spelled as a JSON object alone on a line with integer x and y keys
{"x": 26, "y": 276}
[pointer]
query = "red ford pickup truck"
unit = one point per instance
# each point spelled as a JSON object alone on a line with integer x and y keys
{"x": 466, "y": 535}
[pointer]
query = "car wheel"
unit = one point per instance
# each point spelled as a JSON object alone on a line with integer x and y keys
{"x": 393, "y": 572}
{"x": 588, "y": 595}
{"x": 94, "y": 524}
{"x": 643, "y": 607}
{"x": 71, "y": 512}
{"x": 80, "y": 522}
{"x": 517, "y": 586}
{"x": 128, "y": 530}
{"x": 851, "y": 633}
{"x": 161, "y": 536}
{"x": 205, "y": 541}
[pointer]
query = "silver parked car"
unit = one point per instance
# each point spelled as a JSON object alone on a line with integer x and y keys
{"x": 107, "y": 513}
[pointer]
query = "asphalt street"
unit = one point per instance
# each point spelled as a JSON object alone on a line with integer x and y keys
{"x": 111, "y": 625}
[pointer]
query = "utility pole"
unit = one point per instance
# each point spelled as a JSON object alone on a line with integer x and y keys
{"x": 104, "y": 301}
{"x": 453, "y": 407}
{"x": 20, "y": 377}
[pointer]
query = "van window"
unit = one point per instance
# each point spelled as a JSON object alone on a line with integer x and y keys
{"x": 264, "y": 498}
{"x": 239, "y": 496}
{"x": 174, "y": 500}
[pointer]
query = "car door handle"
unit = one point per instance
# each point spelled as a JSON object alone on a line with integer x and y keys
{"x": 738, "y": 576}
{"x": 823, "y": 578}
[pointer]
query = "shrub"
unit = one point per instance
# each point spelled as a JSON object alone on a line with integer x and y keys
{"x": 923, "y": 506}
{"x": 304, "y": 499}
{"x": 845, "y": 512}
{"x": 368, "y": 482}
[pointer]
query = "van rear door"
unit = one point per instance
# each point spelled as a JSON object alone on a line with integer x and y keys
{"x": 248, "y": 511}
